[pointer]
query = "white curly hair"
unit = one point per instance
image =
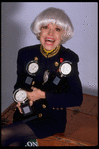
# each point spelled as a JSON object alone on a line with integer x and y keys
{"x": 53, "y": 15}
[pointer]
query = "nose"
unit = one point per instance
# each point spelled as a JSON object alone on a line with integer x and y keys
{"x": 50, "y": 32}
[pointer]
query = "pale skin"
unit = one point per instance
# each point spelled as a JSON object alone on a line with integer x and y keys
{"x": 50, "y": 38}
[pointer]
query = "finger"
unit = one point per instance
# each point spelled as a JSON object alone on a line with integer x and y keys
{"x": 19, "y": 107}
{"x": 30, "y": 102}
{"x": 32, "y": 87}
{"x": 20, "y": 110}
{"x": 18, "y": 104}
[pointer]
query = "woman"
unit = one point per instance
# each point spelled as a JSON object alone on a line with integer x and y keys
{"x": 55, "y": 82}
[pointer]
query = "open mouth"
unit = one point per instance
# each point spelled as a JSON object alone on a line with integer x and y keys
{"x": 49, "y": 40}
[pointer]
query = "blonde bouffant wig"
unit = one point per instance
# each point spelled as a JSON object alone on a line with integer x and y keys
{"x": 55, "y": 16}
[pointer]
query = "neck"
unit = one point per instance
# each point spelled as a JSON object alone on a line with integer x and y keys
{"x": 50, "y": 53}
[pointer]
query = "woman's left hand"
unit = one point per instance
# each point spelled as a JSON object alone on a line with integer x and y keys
{"x": 36, "y": 94}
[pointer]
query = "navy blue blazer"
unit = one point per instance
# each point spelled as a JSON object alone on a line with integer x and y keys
{"x": 54, "y": 120}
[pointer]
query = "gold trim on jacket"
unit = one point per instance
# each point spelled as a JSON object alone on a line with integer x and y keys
{"x": 50, "y": 53}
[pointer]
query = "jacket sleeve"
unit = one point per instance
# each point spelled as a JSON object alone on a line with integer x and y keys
{"x": 72, "y": 96}
{"x": 20, "y": 71}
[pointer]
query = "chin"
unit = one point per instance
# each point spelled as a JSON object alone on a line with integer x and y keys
{"x": 49, "y": 47}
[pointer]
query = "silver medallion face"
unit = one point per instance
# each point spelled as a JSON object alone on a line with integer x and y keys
{"x": 46, "y": 76}
{"x": 20, "y": 96}
{"x": 65, "y": 68}
{"x": 32, "y": 67}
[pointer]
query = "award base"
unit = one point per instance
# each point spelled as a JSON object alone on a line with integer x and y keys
{"x": 26, "y": 109}
{"x": 28, "y": 113}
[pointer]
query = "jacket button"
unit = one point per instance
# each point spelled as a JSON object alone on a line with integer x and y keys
{"x": 61, "y": 108}
{"x": 57, "y": 108}
{"x": 53, "y": 108}
{"x": 33, "y": 82}
{"x": 44, "y": 106}
{"x": 36, "y": 58}
{"x": 40, "y": 115}
{"x": 56, "y": 64}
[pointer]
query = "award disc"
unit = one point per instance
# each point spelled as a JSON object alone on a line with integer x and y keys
{"x": 65, "y": 68}
{"x": 20, "y": 96}
{"x": 32, "y": 67}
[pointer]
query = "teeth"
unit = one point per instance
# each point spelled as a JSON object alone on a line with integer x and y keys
{"x": 49, "y": 40}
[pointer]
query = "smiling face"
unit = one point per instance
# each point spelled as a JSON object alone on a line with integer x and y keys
{"x": 50, "y": 36}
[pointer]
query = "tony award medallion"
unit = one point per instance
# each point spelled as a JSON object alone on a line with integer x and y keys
{"x": 65, "y": 68}
{"x": 32, "y": 67}
{"x": 21, "y": 97}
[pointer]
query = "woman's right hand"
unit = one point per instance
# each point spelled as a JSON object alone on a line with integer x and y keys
{"x": 18, "y": 105}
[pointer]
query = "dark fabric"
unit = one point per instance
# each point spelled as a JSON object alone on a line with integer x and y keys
{"x": 44, "y": 126}
{"x": 16, "y": 132}
{"x": 54, "y": 120}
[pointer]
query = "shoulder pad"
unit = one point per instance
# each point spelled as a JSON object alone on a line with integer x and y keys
{"x": 69, "y": 55}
